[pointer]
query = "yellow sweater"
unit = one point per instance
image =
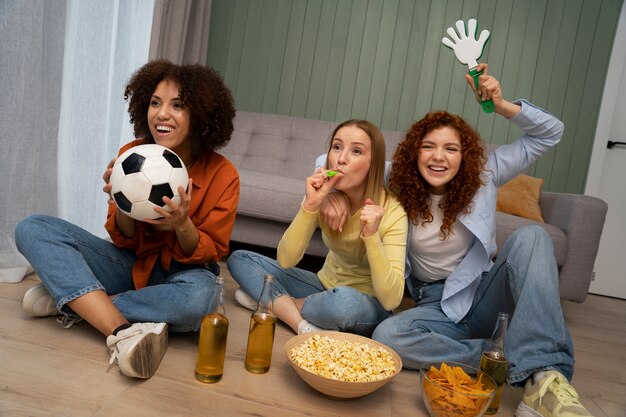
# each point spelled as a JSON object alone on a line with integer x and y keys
{"x": 373, "y": 265}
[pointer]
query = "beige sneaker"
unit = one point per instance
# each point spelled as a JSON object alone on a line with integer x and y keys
{"x": 139, "y": 349}
{"x": 37, "y": 301}
{"x": 553, "y": 396}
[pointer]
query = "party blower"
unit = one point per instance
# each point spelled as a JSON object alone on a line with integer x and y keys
{"x": 468, "y": 49}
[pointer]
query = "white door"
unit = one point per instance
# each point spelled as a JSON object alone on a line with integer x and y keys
{"x": 607, "y": 173}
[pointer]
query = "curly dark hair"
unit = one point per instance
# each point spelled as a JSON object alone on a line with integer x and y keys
{"x": 411, "y": 188}
{"x": 202, "y": 89}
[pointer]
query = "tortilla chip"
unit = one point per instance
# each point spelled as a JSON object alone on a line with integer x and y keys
{"x": 448, "y": 395}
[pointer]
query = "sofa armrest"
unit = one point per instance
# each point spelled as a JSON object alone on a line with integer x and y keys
{"x": 581, "y": 218}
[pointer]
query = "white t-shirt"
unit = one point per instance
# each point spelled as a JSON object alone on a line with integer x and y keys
{"x": 432, "y": 258}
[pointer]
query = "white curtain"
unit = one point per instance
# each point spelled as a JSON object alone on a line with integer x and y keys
{"x": 105, "y": 42}
{"x": 30, "y": 75}
{"x": 63, "y": 67}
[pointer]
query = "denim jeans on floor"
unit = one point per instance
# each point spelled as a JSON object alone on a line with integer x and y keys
{"x": 340, "y": 308}
{"x": 524, "y": 283}
{"x": 72, "y": 262}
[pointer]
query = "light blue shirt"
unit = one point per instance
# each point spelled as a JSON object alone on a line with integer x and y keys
{"x": 542, "y": 131}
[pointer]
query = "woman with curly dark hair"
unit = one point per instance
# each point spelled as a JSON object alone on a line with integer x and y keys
{"x": 156, "y": 274}
{"x": 200, "y": 90}
{"x": 448, "y": 186}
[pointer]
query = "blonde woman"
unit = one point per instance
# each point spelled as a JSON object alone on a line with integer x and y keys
{"x": 362, "y": 279}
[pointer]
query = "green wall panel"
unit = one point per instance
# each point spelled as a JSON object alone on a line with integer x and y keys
{"x": 277, "y": 40}
{"x": 290, "y": 59}
{"x": 336, "y": 53}
{"x": 321, "y": 62}
{"x": 415, "y": 61}
{"x": 383, "y": 60}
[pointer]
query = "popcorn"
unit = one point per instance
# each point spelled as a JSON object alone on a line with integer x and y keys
{"x": 342, "y": 360}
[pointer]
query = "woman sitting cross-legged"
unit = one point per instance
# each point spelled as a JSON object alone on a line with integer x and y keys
{"x": 362, "y": 279}
{"x": 154, "y": 275}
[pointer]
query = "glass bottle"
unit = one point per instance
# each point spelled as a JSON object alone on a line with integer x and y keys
{"x": 493, "y": 361}
{"x": 261, "y": 335}
{"x": 212, "y": 343}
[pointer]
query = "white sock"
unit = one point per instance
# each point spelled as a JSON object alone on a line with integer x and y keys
{"x": 306, "y": 327}
{"x": 538, "y": 376}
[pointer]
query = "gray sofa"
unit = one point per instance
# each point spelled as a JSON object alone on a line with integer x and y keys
{"x": 275, "y": 153}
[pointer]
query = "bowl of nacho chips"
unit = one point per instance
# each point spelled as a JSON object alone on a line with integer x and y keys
{"x": 452, "y": 389}
{"x": 342, "y": 365}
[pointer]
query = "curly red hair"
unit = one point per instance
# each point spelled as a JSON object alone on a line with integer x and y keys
{"x": 411, "y": 188}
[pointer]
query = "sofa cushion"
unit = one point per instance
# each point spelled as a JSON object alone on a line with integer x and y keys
{"x": 277, "y": 145}
{"x": 520, "y": 197}
{"x": 508, "y": 223}
{"x": 267, "y": 196}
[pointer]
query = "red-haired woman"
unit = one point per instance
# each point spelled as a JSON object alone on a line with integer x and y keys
{"x": 448, "y": 187}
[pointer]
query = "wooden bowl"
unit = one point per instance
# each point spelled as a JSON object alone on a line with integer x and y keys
{"x": 333, "y": 387}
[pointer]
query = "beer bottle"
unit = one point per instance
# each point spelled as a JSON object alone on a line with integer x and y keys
{"x": 493, "y": 360}
{"x": 261, "y": 334}
{"x": 212, "y": 343}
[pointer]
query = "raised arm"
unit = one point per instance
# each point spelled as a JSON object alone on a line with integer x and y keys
{"x": 489, "y": 88}
{"x": 542, "y": 131}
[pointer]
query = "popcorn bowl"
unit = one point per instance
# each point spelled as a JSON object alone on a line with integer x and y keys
{"x": 350, "y": 352}
{"x": 443, "y": 400}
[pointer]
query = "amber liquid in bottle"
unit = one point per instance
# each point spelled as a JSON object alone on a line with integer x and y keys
{"x": 260, "y": 343}
{"x": 212, "y": 348}
{"x": 262, "y": 327}
{"x": 212, "y": 342}
{"x": 495, "y": 366}
{"x": 493, "y": 361}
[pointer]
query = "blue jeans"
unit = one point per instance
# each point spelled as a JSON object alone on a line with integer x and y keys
{"x": 72, "y": 262}
{"x": 340, "y": 308}
{"x": 524, "y": 283}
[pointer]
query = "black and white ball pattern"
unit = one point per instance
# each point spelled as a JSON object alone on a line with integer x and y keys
{"x": 142, "y": 176}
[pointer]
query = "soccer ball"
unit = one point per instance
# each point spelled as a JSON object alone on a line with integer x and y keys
{"x": 142, "y": 176}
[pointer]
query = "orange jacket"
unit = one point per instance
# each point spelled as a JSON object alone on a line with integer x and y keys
{"x": 212, "y": 210}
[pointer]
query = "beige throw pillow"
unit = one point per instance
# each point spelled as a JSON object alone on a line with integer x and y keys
{"x": 520, "y": 197}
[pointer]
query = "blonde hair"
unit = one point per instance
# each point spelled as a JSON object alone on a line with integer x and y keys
{"x": 374, "y": 189}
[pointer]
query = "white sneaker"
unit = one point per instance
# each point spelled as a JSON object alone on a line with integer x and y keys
{"x": 139, "y": 349}
{"x": 306, "y": 327}
{"x": 245, "y": 300}
{"x": 37, "y": 301}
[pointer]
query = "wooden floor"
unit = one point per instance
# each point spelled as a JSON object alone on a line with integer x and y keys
{"x": 48, "y": 371}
